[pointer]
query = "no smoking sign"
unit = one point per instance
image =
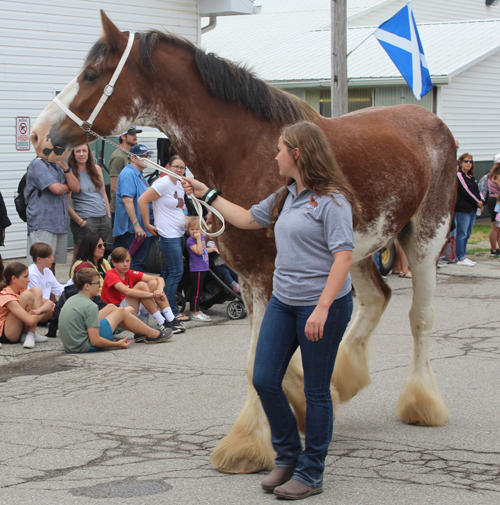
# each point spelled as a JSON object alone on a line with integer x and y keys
{"x": 23, "y": 134}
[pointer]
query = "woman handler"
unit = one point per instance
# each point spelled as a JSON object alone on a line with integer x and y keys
{"x": 311, "y": 219}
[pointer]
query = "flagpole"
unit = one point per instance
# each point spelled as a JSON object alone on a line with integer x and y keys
{"x": 339, "y": 57}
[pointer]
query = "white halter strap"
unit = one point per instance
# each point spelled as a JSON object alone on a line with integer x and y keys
{"x": 107, "y": 92}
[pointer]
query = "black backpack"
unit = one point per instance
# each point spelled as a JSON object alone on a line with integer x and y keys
{"x": 20, "y": 200}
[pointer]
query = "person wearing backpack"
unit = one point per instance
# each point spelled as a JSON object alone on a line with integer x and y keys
{"x": 47, "y": 185}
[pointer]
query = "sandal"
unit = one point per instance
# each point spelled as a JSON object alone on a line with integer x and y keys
{"x": 405, "y": 276}
{"x": 184, "y": 318}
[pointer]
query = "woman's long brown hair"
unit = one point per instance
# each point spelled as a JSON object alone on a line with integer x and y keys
{"x": 318, "y": 168}
{"x": 14, "y": 269}
{"x": 95, "y": 177}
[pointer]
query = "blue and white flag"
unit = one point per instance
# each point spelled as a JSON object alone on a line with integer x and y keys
{"x": 399, "y": 37}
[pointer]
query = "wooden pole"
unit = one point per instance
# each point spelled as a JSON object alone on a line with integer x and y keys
{"x": 339, "y": 57}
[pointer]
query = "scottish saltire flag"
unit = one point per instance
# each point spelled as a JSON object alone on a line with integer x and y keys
{"x": 399, "y": 37}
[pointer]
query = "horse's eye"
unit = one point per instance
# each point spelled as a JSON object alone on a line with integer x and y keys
{"x": 90, "y": 76}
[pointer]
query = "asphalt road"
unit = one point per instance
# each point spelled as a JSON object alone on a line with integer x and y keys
{"x": 138, "y": 426}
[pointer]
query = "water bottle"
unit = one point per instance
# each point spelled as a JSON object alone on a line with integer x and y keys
{"x": 144, "y": 314}
{"x": 479, "y": 211}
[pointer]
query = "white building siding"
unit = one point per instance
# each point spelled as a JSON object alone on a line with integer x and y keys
{"x": 470, "y": 106}
{"x": 426, "y": 11}
{"x": 43, "y": 44}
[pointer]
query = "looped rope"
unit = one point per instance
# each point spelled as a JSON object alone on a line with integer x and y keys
{"x": 197, "y": 203}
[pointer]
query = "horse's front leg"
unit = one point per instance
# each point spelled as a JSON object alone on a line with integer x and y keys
{"x": 247, "y": 447}
{"x": 351, "y": 374}
{"x": 420, "y": 402}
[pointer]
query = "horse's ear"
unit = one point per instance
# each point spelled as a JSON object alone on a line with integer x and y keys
{"x": 113, "y": 37}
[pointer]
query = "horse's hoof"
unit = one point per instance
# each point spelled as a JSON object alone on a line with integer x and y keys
{"x": 241, "y": 466}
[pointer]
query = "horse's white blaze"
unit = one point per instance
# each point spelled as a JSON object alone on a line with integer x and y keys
{"x": 52, "y": 114}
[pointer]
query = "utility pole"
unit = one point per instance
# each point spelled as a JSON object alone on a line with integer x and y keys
{"x": 339, "y": 57}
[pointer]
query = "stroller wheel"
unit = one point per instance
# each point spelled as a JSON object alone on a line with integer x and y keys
{"x": 180, "y": 301}
{"x": 236, "y": 310}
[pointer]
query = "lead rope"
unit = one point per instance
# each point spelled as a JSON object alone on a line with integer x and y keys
{"x": 197, "y": 203}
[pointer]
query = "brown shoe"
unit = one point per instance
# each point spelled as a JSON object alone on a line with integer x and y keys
{"x": 295, "y": 490}
{"x": 278, "y": 476}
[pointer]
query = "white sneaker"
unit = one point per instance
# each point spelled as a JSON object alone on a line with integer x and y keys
{"x": 469, "y": 261}
{"x": 29, "y": 342}
{"x": 465, "y": 263}
{"x": 201, "y": 317}
{"x": 38, "y": 338}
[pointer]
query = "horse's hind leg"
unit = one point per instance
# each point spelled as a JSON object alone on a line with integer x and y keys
{"x": 350, "y": 374}
{"x": 420, "y": 402}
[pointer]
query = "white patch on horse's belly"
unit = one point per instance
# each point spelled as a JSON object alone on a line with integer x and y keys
{"x": 372, "y": 239}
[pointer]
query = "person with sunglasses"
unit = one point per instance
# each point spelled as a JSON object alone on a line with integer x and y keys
{"x": 92, "y": 251}
{"x": 89, "y": 211}
{"x": 128, "y": 225}
{"x": 468, "y": 201}
{"x": 167, "y": 196}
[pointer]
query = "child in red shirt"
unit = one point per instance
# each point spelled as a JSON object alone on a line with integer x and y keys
{"x": 130, "y": 288}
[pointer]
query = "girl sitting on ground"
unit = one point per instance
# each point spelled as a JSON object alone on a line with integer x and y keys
{"x": 20, "y": 308}
{"x": 130, "y": 288}
{"x": 85, "y": 328}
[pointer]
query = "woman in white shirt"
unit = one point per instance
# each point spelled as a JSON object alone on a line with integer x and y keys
{"x": 167, "y": 195}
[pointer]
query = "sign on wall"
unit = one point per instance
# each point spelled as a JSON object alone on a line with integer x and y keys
{"x": 23, "y": 134}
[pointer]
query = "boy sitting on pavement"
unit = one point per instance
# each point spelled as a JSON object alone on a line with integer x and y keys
{"x": 130, "y": 288}
{"x": 41, "y": 275}
{"x": 83, "y": 328}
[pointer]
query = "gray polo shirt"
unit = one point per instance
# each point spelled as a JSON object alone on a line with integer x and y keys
{"x": 309, "y": 230}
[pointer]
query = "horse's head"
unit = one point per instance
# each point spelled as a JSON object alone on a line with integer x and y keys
{"x": 55, "y": 133}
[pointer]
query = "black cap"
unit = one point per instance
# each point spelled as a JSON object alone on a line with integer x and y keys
{"x": 132, "y": 131}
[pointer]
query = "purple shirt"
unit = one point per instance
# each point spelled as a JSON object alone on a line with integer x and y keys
{"x": 197, "y": 263}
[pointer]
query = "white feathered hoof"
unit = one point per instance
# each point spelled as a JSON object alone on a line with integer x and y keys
{"x": 350, "y": 374}
{"x": 240, "y": 453}
{"x": 421, "y": 405}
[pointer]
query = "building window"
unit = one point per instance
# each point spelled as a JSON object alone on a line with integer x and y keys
{"x": 325, "y": 102}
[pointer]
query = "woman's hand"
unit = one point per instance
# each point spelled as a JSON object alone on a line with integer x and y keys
{"x": 192, "y": 186}
{"x": 480, "y": 205}
{"x": 316, "y": 323}
{"x": 151, "y": 229}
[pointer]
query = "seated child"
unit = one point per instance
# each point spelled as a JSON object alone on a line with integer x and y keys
{"x": 70, "y": 290}
{"x": 130, "y": 288}
{"x": 85, "y": 328}
{"x": 20, "y": 308}
{"x": 198, "y": 266}
{"x": 227, "y": 275}
{"x": 41, "y": 275}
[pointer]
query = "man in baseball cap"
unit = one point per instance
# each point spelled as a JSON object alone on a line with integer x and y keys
{"x": 118, "y": 160}
{"x": 140, "y": 150}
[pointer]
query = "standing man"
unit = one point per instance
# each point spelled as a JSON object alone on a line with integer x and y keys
{"x": 128, "y": 224}
{"x": 117, "y": 162}
{"x": 47, "y": 185}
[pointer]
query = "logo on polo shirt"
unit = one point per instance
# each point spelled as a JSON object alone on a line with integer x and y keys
{"x": 313, "y": 204}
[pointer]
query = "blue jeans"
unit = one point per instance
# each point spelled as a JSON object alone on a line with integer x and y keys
{"x": 172, "y": 267}
{"x": 141, "y": 255}
{"x": 282, "y": 331}
{"x": 465, "y": 223}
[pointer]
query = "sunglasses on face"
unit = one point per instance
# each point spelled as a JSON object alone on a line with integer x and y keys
{"x": 95, "y": 283}
{"x": 467, "y": 161}
{"x": 177, "y": 167}
{"x": 100, "y": 246}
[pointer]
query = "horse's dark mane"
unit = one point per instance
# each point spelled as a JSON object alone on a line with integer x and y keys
{"x": 224, "y": 79}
